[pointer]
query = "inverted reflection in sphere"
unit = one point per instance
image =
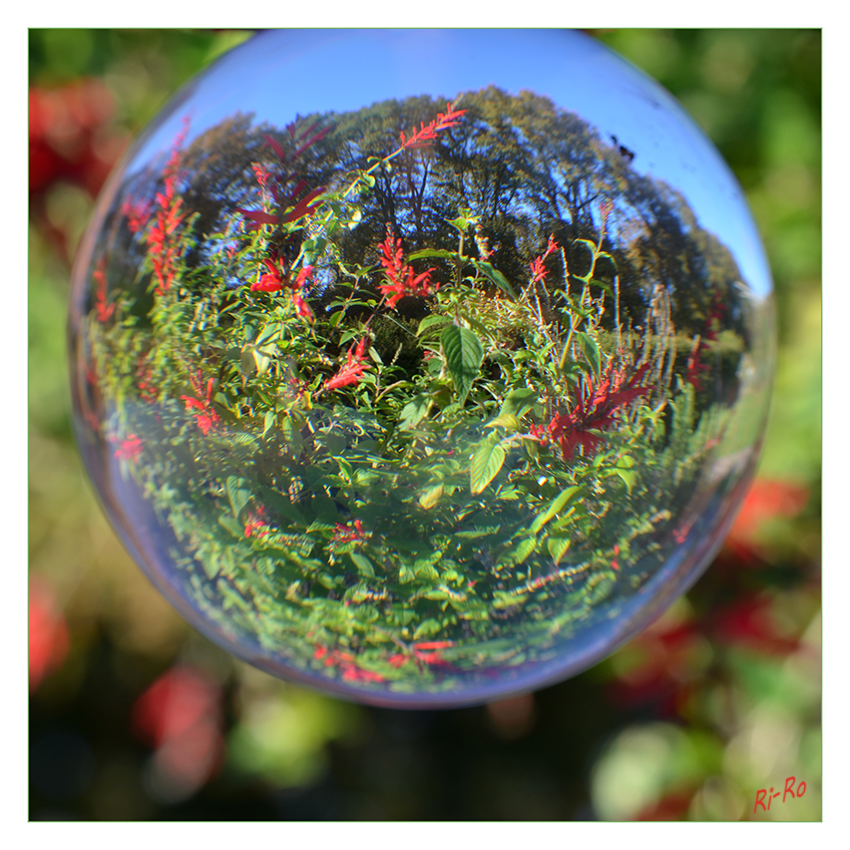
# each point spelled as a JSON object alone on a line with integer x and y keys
{"x": 421, "y": 382}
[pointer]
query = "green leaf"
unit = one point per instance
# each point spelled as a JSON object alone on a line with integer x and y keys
{"x": 425, "y": 571}
{"x": 363, "y": 564}
{"x": 629, "y": 477}
{"x": 464, "y": 354}
{"x": 477, "y": 532}
{"x": 431, "y": 496}
{"x": 519, "y": 402}
{"x": 495, "y": 277}
{"x": 247, "y": 363}
{"x": 558, "y": 545}
{"x": 237, "y": 496}
{"x": 413, "y": 412}
{"x": 558, "y": 504}
{"x": 431, "y": 321}
{"x": 232, "y": 526}
{"x": 426, "y": 628}
{"x": 262, "y": 362}
{"x": 432, "y": 252}
{"x": 525, "y": 548}
{"x": 485, "y": 466}
{"x": 504, "y": 420}
{"x": 601, "y": 283}
{"x": 591, "y": 352}
{"x": 269, "y": 333}
{"x": 268, "y": 421}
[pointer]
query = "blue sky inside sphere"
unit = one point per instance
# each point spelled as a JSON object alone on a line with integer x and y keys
{"x": 279, "y": 74}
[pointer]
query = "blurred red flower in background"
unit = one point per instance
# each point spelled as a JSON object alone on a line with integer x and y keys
{"x": 72, "y": 139}
{"x": 48, "y": 632}
{"x": 181, "y": 716}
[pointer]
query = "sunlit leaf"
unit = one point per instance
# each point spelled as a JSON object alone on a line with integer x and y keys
{"x": 236, "y": 495}
{"x": 432, "y": 321}
{"x": 558, "y": 504}
{"x": 413, "y": 412}
{"x": 464, "y": 354}
{"x": 495, "y": 277}
{"x": 504, "y": 420}
{"x": 525, "y": 548}
{"x": 485, "y": 466}
{"x": 591, "y": 352}
{"x": 558, "y": 545}
{"x": 363, "y": 564}
{"x": 431, "y": 496}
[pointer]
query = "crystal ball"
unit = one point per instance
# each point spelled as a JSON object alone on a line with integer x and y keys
{"x": 421, "y": 367}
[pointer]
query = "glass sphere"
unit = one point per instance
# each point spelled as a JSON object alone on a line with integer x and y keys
{"x": 421, "y": 367}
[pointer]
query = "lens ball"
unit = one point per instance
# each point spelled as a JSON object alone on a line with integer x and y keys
{"x": 421, "y": 367}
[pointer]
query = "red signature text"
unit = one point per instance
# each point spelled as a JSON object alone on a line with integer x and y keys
{"x": 763, "y": 794}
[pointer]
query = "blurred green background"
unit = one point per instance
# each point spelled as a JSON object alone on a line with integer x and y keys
{"x": 134, "y": 716}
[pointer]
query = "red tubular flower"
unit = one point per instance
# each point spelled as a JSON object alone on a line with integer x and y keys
{"x": 538, "y": 270}
{"x": 595, "y": 410}
{"x": 423, "y": 653}
{"x": 694, "y": 365}
{"x": 351, "y": 672}
{"x": 353, "y": 369}
{"x": 428, "y": 132}
{"x": 102, "y": 310}
{"x": 301, "y": 306}
{"x": 345, "y": 534}
{"x": 130, "y": 449}
{"x": 137, "y": 214}
{"x": 261, "y": 173}
{"x": 303, "y": 276}
{"x": 402, "y": 280}
{"x": 257, "y": 525}
{"x": 271, "y": 281}
{"x": 206, "y": 417}
{"x": 163, "y": 248}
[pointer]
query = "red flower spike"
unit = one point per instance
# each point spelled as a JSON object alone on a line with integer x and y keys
{"x": 428, "y": 132}
{"x": 351, "y": 672}
{"x": 261, "y": 173}
{"x": 403, "y": 281}
{"x": 256, "y": 525}
{"x": 206, "y": 417}
{"x": 538, "y": 270}
{"x": 353, "y": 369}
{"x": 104, "y": 312}
{"x": 302, "y": 308}
{"x": 130, "y": 449}
{"x": 137, "y": 214}
{"x": 269, "y": 282}
{"x": 345, "y": 534}
{"x": 303, "y": 276}
{"x": 162, "y": 248}
{"x": 595, "y": 410}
